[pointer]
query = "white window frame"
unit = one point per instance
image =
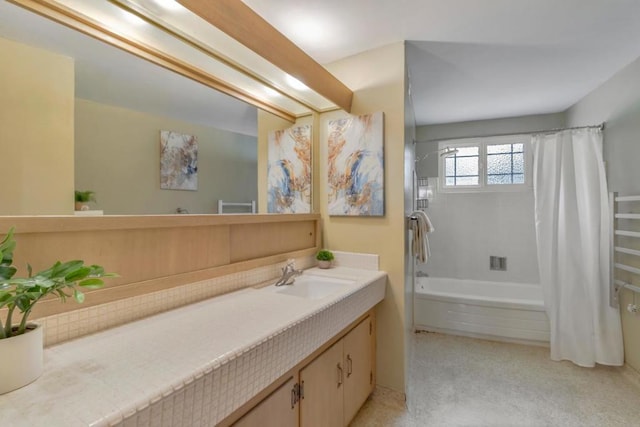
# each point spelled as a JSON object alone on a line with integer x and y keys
{"x": 482, "y": 143}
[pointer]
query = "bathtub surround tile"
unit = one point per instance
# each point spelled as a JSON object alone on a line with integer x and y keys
{"x": 459, "y": 381}
{"x": 356, "y": 260}
{"x": 84, "y": 321}
{"x": 511, "y": 312}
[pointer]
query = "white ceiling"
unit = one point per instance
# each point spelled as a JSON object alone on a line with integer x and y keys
{"x": 474, "y": 60}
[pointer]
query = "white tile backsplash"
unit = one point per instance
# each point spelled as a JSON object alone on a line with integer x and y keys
{"x": 83, "y": 321}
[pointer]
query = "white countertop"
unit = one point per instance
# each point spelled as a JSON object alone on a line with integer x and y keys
{"x": 101, "y": 377}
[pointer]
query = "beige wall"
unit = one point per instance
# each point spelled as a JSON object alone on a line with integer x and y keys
{"x": 117, "y": 156}
{"x": 617, "y": 102}
{"x": 36, "y": 131}
{"x": 377, "y": 80}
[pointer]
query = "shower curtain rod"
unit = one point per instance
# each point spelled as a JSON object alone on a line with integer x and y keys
{"x": 539, "y": 132}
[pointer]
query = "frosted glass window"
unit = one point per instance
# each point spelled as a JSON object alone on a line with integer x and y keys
{"x": 462, "y": 168}
{"x": 467, "y": 151}
{"x": 497, "y": 149}
{"x": 505, "y": 164}
{"x": 466, "y": 166}
{"x": 499, "y": 163}
{"x": 518, "y": 163}
{"x": 450, "y": 166}
{"x": 467, "y": 180}
{"x": 498, "y": 179}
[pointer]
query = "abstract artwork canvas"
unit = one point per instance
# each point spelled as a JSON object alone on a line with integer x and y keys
{"x": 356, "y": 166}
{"x": 289, "y": 170}
{"x": 178, "y": 161}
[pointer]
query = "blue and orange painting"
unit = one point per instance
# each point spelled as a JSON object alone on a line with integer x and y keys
{"x": 356, "y": 166}
{"x": 178, "y": 161}
{"x": 289, "y": 170}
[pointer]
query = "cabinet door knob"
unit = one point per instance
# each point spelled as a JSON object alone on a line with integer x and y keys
{"x": 349, "y": 365}
{"x": 340, "y": 375}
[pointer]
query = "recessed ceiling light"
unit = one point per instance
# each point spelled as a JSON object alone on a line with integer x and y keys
{"x": 171, "y": 5}
{"x": 295, "y": 83}
{"x": 309, "y": 30}
{"x": 271, "y": 92}
{"x": 133, "y": 19}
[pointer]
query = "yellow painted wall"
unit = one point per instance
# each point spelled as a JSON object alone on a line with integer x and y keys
{"x": 377, "y": 80}
{"x": 36, "y": 131}
{"x": 118, "y": 157}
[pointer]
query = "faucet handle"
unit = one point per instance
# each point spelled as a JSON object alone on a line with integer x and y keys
{"x": 290, "y": 265}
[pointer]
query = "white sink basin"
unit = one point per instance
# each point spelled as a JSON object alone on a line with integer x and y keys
{"x": 313, "y": 287}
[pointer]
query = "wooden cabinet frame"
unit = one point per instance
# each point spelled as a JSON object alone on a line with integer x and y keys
{"x": 294, "y": 371}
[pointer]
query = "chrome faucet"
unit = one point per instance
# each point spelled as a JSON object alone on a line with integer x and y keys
{"x": 289, "y": 274}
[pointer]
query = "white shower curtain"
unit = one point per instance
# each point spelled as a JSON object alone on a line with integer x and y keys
{"x": 572, "y": 230}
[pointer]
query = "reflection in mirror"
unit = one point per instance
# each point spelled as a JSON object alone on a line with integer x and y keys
{"x": 88, "y": 107}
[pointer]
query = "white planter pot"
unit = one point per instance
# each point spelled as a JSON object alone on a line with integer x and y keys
{"x": 324, "y": 264}
{"x": 21, "y": 359}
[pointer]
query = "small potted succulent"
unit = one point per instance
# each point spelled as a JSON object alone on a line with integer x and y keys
{"x": 83, "y": 198}
{"x": 21, "y": 344}
{"x": 324, "y": 258}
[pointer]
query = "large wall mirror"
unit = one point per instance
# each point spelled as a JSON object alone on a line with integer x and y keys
{"x": 118, "y": 105}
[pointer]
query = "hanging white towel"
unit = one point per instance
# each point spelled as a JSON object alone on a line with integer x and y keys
{"x": 420, "y": 227}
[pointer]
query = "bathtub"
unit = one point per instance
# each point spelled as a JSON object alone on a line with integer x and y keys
{"x": 511, "y": 312}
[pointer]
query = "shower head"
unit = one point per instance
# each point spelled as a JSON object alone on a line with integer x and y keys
{"x": 448, "y": 151}
{"x": 444, "y": 152}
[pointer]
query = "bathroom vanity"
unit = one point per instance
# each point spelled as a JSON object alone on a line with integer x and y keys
{"x": 256, "y": 354}
{"x": 326, "y": 391}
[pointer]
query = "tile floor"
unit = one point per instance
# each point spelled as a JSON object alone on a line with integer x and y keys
{"x": 457, "y": 381}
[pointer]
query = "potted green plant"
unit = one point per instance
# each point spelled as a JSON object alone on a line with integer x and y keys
{"x": 21, "y": 344}
{"x": 324, "y": 258}
{"x": 83, "y": 198}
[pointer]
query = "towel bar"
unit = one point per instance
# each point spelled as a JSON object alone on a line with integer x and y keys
{"x": 251, "y": 205}
{"x": 616, "y": 285}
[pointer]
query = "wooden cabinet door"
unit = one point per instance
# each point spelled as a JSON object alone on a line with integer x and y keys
{"x": 358, "y": 360}
{"x": 322, "y": 383}
{"x": 276, "y": 410}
